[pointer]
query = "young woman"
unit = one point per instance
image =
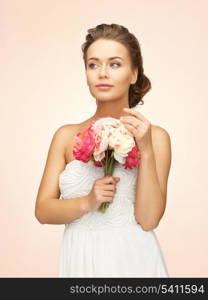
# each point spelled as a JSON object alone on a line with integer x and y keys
{"x": 120, "y": 242}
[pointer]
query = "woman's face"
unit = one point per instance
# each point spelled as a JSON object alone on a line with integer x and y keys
{"x": 101, "y": 68}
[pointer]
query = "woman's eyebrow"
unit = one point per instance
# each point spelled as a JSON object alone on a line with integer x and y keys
{"x": 110, "y": 58}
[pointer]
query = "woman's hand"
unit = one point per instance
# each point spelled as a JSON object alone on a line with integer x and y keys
{"x": 139, "y": 127}
{"x": 103, "y": 190}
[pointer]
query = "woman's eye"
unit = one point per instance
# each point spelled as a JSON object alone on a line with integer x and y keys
{"x": 91, "y": 65}
{"x": 111, "y": 64}
{"x": 116, "y": 64}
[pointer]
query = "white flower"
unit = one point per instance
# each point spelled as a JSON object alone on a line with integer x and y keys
{"x": 114, "y": 135}
{"x": 121, "y": 142}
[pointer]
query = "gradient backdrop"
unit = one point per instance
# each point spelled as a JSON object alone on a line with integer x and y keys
{"x": 43, "y": 87}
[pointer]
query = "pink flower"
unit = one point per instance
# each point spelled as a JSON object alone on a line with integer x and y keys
{"x": 84, "y": 145}
{"x": 101, "y": 141}
{"x": 132, "y": 160}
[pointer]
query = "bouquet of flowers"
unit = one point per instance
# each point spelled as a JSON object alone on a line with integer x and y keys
{"x": 105, "y": 142}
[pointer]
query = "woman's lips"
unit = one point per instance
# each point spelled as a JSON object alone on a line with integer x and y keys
{"x": 104, "y": 87}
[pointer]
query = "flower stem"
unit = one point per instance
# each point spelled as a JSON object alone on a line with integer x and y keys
{"x": 108, "y": 170}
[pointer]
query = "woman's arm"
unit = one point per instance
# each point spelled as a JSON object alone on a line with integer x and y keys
{"x": 152, "y": 177}
{"x": 49, "y": 209}
{"x": 62, "y": 211}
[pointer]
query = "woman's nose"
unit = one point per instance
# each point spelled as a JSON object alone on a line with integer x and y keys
{"x": 103, "y": 71}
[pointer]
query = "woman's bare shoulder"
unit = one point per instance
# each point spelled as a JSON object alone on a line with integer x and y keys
{"x": 68, "y": 130}
{"x": 158, "y": 131}
{"x": 65, "y": 130}
{"x": 161, "y": 139}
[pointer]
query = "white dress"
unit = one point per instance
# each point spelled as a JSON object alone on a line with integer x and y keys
{"x": 110, "y": 244}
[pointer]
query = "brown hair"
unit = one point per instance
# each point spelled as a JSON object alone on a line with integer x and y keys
{"x": 121, "y": 34}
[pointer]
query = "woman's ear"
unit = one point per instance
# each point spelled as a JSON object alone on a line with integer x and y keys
{"x": 134, "y": 76}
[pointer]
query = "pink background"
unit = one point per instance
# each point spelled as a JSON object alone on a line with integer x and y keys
{"x": 43, "y": 86}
